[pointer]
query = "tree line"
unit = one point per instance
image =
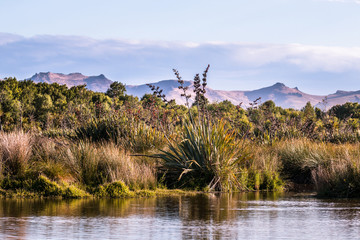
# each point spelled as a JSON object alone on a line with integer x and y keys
{"x": 47, "y": 107}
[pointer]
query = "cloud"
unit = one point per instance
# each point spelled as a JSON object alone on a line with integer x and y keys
{"x": 6, "y": 38}
{"x": 308, "y": 58}
{"x": 239, "y": 65}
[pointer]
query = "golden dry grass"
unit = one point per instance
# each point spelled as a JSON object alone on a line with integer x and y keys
{"x": 15, "y": 152}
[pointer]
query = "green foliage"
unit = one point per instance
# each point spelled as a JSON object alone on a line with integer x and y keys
{"x": 346, "y": 110}
{"x": 46, "y": 187}
{"x": 116, "y": 189}
{"x": 309, "y": 111}
{"x": 73, "y": 192}
{"x": 116, "y": 90}
{"x": 57, "y": 109}
{"x": 133, "y": 135}
{"x": 40, "y": 186}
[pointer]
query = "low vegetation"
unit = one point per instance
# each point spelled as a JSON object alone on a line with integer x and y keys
{"x": 70, "y": 143}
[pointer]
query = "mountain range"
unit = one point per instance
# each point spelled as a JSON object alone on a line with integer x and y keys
{"x": 282, "y": 95}
{"x": 95, "y": 83}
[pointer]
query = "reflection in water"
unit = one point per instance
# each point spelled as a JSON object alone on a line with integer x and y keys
{"x": 205, "y": 216}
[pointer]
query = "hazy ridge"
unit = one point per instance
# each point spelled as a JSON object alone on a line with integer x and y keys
{"x": 282, "y": 95}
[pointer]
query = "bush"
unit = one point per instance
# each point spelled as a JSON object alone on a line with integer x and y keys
{"x": 46, "y": 187}
{"x": 116, "y": 189}
{"x": 73, "y": 192}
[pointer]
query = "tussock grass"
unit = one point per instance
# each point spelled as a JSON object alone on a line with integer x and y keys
{"x": 121, "y": 166}
{"x": 299, "y": 158}
{"x": 53, "y": 167}
{"x": 95, "y": 164}
{"x": 339, "y": 175}
{"x": 15, "y": 152}
{"x": 46, "y": 159}
{"x": 333, "y": 169}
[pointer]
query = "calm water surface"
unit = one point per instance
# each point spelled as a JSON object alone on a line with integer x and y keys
{"x": 208, "y": 216}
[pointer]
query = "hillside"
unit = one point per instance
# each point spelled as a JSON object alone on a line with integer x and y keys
{"x": 282, "y": 95}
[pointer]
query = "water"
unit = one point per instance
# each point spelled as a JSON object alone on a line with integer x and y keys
{"x": 207, "y": 216}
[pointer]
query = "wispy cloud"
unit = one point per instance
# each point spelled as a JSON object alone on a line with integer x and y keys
{"x": 237, "y": 65}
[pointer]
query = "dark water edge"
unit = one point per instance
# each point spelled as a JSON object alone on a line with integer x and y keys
{"x": 203, "y": 216}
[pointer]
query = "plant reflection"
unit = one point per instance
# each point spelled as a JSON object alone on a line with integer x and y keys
{"x": 203, "y": 216}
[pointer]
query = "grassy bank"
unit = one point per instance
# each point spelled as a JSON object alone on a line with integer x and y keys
{"x": 33, "y": 166}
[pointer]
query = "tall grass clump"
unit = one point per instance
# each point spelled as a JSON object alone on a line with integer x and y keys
{"x": 15, "y": 152}
{"x": 262, "y": 170}
{"x": 332, "y": 169}
{"x": 299, "y": 157}
{"x": 339, "y": 175}
{"x": 95, "y": 164}
{"x": 121, "y": 166}
{"x": 46, "y": 159}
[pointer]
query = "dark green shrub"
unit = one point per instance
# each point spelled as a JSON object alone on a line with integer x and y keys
{"x": 46, "y": 188}
{"x": 116, "y": 189}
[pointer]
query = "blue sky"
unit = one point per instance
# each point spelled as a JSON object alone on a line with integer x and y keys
{"x": 312, "y": 44}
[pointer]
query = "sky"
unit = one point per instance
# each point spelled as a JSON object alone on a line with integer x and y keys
{"x": 310, "y": 44}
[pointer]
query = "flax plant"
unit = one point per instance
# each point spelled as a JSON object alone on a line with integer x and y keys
{"x": 208, "y": 153}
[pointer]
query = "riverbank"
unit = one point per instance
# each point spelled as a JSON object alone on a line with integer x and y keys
{"x": 38, "y": 166}
{"x": 42, "y": 187}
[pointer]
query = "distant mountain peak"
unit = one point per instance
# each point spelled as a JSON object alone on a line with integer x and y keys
{"x": 279, "y": 85}
{"x": 341, "y": 92}
{"x": 95, "y": 83}
{"x": 75, "y": 74}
